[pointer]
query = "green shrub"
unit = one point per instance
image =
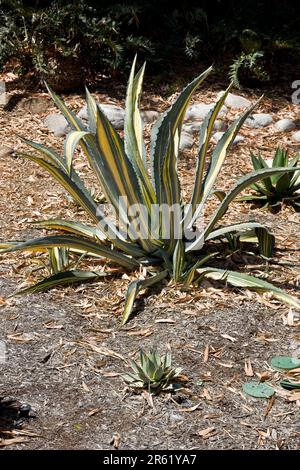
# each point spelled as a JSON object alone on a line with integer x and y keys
{"x": 153, "y": 372}
{"x": 271, "y": 192}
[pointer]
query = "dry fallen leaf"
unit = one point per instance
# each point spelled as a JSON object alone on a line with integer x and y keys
{"x": 20, "y": 337}
{"x": 189, "y": 410}
{"x": 94, "y": 411}
{"x": 206, "y": 353}
{"x": 116, "y": 440}
{"x": 207, "y": 433}
{"x": 248, "y": 368}
{"x": 231, "y": 338}
{"x": 270, "y": 405}
{"x": 9, "y": 442}
{"x": 144, "y": 333}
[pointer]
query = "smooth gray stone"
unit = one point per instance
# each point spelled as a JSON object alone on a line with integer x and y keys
{"x": 218, "y": 135}
{"x": 197, "y": 112}
{"x": 235, "y": 101}
{"x": 114, "y": 113}
{"x": 259, "y": 120}
{"x": 285, "y": 125}
{"x": 57, "y": 124}
{"x": 186, "y": 141}
{"x": 296, "y": 136}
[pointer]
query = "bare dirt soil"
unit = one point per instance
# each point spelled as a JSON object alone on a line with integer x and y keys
{"x": 66, "y": 348}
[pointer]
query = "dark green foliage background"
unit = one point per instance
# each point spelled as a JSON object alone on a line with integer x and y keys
{"x": 102, "y": 36}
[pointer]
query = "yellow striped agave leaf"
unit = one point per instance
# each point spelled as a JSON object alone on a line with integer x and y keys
{"x": 133, "y": 133}
{"x": 265, "y": 240}
{"x": 205, "y": 133}
{"x": 80, "y": 197}
{"x": 76, "y": 228}
{"x": 60, "y": 279}
{"x": 134, "y": 289}
{"x": 86, "y": 202}
{"x": 178, "y": 260}
{"x": 57, "y": 160}
{"x": 74, "y": 122}
{"x": 80, "y": 229}
{"x": 241, "y": 184}
{"x": 171, "y": 195}
{"x": 170, "y": 121}
{"x": 81, "y": 244}
{"x": 59, "y": 259}
{"x": 249, "y": 282}
{"x": 124, "y": 179}
{"x": 71, "y": 141}
{"x": 218, "y": 157}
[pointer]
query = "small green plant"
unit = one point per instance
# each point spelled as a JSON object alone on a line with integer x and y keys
{"x": 249, "y": 65}
{"x": 271, "y": 192}
{"x": 156, "y": 230}
{"x": 153, "y": 372}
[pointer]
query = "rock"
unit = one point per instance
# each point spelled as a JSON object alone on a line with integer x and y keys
{"x": 149, "y": 116}
{"x": 218, "y": 135}
{"x": 197, "y": 112}
{"x": 114, "y": 113}
{"x": 235, "y": 101}
{"x": 57, "y": 124}
{"x": 36, "y": 105}
{"x": 186, "y": 141}
{"x": 5, "y": 151}
{"x": 194, "y": 127}
{"x": 296, "y": 136}
{"x": 285, "y": 125}
{"x": 259, "y": 120}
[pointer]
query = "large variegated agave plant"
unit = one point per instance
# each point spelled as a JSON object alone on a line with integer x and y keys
{"x": 121, "y": 168}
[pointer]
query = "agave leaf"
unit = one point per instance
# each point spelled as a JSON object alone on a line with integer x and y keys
{"x": 76, "y": 228}
{"x": 170, "y": 192}
{"x": 178, "y": 260}
{"x": 72, "y": 140}
{"x": 74, "y": 122}
{"x": 123, "y": 177}
{"x": 134, "y": 289}
{"x": 133, "y": 131}
{"x": 241, "y": 184}
{"x": 266, "y": 241}
{"x": 167, "y": 360}
{"x": 189, "y": 276}
{"x": 283, "y": 184}
{"x": 61, "y": 278}
{"x": 217, "y": 159}
{"x": 57, "y": 160}
{"x": 141, "y": 373}
{"x": 249, "y": 282}
{"x": 233, "y": 228}
{"x": 205, "y": 133}
{"x": 67, "y": 241}
{"x": 159, "y": 373}
{"x": 171, "y": 121}
{"x": 59, "y": 259}
{"x": 89, "y": 206}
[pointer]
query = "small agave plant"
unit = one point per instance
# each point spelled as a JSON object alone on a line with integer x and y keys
{"x": 271, "y": 192}
{"x": 153, "y": 372}
{"x": 125, "y": 172}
